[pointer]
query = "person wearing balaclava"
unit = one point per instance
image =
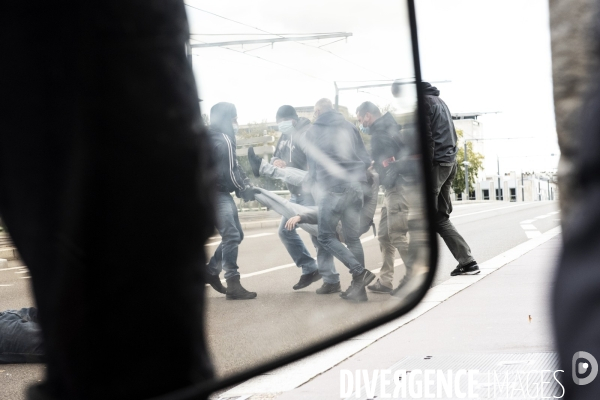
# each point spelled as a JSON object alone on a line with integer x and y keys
{"x": 230, "y": 178}
{"x": 289, "y": 153}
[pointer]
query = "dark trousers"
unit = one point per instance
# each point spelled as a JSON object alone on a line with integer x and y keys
{"x": 105, "y": 193}
{"x": 230, "y": 229}
{"x": 342, "y": 203}
{"x": 443, "y": 176}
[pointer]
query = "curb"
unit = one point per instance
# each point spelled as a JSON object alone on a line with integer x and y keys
{"x": 9, "y": 253}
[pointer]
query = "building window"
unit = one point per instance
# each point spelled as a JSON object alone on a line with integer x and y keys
{"x": 486, "y": 194}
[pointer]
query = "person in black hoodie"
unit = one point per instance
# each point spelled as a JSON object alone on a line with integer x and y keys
{"x": 337, "y": 165}
{"x": 230, "y": 178}
{"x": 386, "y": 146}
{"x": 289, "y": 154}
{"x": 442, "y": 138}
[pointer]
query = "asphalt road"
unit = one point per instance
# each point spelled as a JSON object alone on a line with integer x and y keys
{"x": 242, "y": 333}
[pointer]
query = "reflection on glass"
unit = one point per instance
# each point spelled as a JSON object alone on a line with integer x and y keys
{"x": 320, "y": 190}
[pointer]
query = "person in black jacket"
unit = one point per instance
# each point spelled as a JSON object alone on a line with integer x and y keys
{"x": 442, "y": 140}
{"x": 386, "y": 147}
{"x": 230, "y": 178}
{"x": 288, "y": 154}
{"x": 337, "y": 165}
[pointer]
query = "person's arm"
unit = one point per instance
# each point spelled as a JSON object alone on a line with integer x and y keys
{"x": 277, "y": 160}
{"x": 236, "y": 174}
{"x": 307, "y": 217}
{"x": 430, "y": 144}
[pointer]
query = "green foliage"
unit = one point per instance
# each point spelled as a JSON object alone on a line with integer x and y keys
{"x": 255, "y": 129}
{"x": 475, "y": 165}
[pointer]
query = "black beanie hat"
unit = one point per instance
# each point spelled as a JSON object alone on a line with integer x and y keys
{"x": 286, "y": 112}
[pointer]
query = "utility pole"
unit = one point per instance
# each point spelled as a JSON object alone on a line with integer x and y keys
{"x": 188, "y": 52}
{"x": 499, "y": 195}
{"x": 466, "y": 164}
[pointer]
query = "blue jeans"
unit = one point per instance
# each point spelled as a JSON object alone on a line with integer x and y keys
{"x": 292, "y": 241}
{"x": 342, "y": 203}
{"x": 228, "y": 225}
{"x": 20, "y": 337}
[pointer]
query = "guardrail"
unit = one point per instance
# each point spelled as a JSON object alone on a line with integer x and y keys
{"x": 256, "y": 206}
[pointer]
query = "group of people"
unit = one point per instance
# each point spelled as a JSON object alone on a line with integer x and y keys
{"x": 334, "y": 184}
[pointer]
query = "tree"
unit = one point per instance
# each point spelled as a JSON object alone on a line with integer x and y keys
{"x": 475, "y": 165}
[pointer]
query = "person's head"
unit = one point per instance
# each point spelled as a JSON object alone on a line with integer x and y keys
{"x": 396, "y": 88}
{"x": 323, "y": 106}
{"x": 367, "y": 113}
{"x": 223, "y": 117}
{"x": 286, "y": 118}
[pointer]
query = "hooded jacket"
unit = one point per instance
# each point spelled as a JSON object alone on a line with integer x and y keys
{"x": 230, "y": 176}
{"x": 385, "y": 143}
{"x": 335, "y": 152}
{"x": 289, "y": 149}
{"x": 439, "y": 127}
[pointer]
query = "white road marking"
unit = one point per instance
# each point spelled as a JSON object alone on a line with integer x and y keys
{"x": 297, "y": 373}
{"x": 542, "y": 216}
{"x": 528, "y": 227}
{"x": 10, "y": 269}
{"x": 245, "y": 237}
{"x": 21, "y": 272}
{"x": 5, "y": 285}
{"x": 533, "y": 234}
{"x": 484, "y": 211}
{"x": 25, "y": 277}
{"x": 527, "y": 221}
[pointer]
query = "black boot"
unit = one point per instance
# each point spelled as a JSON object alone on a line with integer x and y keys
{"x": 215, "y": 282}
{"x": 307, "y": 279}
{"x": 254, "y": 161}
{"x": 235, "y": 291}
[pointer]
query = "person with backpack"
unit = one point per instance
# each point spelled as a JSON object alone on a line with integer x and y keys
{"x": 386, "y": 149}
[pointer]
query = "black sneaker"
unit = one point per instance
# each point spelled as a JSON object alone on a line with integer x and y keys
{"x": 215, "y": 282}
{"x": 254, "y": 161}
{"x": 470, "y": 269}
{"x": 356, "y": 293}
{"x": 329, "y": 288}
{"x": 377, "y": 287}
{"x": 307, "y": 279}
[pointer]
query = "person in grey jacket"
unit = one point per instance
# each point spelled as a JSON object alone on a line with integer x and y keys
{"x": 442, "y": 146}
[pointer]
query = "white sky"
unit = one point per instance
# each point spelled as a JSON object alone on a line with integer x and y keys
{"x": 495, "y": 53}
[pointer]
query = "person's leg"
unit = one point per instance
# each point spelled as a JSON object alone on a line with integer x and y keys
{"x": 325, "y": 263}
{"x": 351, "y": 223}
{"x": 293, "y": 176}
{"x": 295, "y": 246}
{"x": 231, "y": 234}
{"x": 388, "y": 251}
{"x": 20, "y": 337}
{"x": 455, "y": 242}
{"x": 331, "y": 205}
{"x": 215, "y": 264}
{"x": 397, "y": 223}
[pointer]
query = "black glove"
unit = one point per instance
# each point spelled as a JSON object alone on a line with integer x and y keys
{"x": 247, "y": 194}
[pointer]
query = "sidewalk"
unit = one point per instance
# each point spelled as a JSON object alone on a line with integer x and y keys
{"x": 506, "y": 312}
{"x": 499, "y": 319}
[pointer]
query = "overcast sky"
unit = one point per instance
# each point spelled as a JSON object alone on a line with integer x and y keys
{"x": 495, "y": 53}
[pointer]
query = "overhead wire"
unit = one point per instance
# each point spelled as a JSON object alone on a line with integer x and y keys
{"x": 269, "y": 61}
{"x": 300, "y": 43}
